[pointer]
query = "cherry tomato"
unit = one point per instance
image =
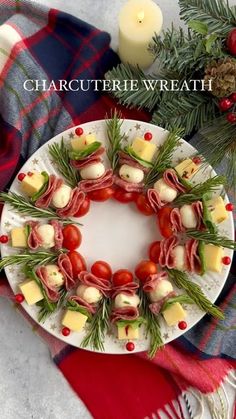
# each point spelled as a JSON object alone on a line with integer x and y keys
{"x": 71, "y": 237}
{"x": 101, "y": 269}
{"x": 84, "y": 208}
{"x": 154, "y": 252}
{"x": 101, "y": 195}
{"x": 144, "y": 269}
{"x": 125, "y": 197}
{"x": 122, "y": 277}
{"x": 143, "y": 205}
{"x": 164, "y": 223}
{"x": 78, "y": 263}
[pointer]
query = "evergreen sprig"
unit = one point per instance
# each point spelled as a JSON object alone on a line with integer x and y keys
{"x": 29, "y": 258}
{"x": 115, "y": 138}
{"x": 201, "y": 189}
{"x": 212, "y": 238}
{"x": 61, "y": 158}
{"x": 47, "y": 307}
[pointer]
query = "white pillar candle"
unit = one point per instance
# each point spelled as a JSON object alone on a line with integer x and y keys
{"x": 139, "y": 20}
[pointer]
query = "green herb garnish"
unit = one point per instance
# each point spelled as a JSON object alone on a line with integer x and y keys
{"x": 129, "y": 150}
{"x": 212, "y": 238}
{"x": 200, "y": 190}
{"x": 201, "y": 252}
{"x": 29, "y": 258}
{"x": 89, "y": 149}
{"x": 207, "y": 219}
{"x": 182, "y": 299}
{"x": 134, "y": 323}
{"x": 43, "y": 189}
{"x": 115, "y": 138}
{"x": 61, "y": 157}
{"x": 74, "y": 306}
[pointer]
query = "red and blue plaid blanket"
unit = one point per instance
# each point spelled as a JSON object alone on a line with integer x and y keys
{"x": 46, "y": 44}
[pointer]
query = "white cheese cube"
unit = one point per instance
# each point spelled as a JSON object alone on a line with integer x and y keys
{"x": 81, "y": 142}
{"x": 213, "y": 257}
{"x": 31, "y": 291}
{"x": 186, "y": 169}
{"x": 74, "y": 320}
{"x": 32, "y": 183}
{"x": 128, "y": 332}
{"x": 18, "y": 237}
{"x": 144, "y": 149}
{"x": 216, "y": 206}
{"x": 174, "y": 314}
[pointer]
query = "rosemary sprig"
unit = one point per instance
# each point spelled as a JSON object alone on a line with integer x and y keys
{"x": 30, "y": 259}
{"x": 24, "y": 206}
{"x": 212, "y": 238}
{"x": 98, "y": 327}
{"x": 47, "y": 307}
{"x": 195, "y": 293}
{"x": 151, "y": 325}
{"x": 164, "y": 157}
{"x": 197, "y": 192}
{"x": 115, "y": 138}
{"x": 60, "y": 156}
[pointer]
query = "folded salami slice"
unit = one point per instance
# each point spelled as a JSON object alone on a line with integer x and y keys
{"x": 193, "y": 260}
{"x": 166, "y": 258}
{"x": 91, "y": 280}
{"x": 153, "y": 280}
{"x": 51, "y": 291}
{"x": 45, "y": 199}
{"x": 104, "y": 181}
{"x": 197, "y": 207}
{"x": 156, "y": 307}
{"x": 86, "y": 161}
{"x": 127, "y": 289}
{"x": 171, "y": 179}
{"x": 77, "y": 198}
{"x": 127, "y": 186}
{"x": 124, "y": 313}
{"x": 125, "y": 158}
{"x": 58, "y": 236}
{"x": 65, "y": 267}
{"x": 176, "y": 221}
{"x": 34, "y": 240}
{"x": 154, "y": 199}
{"x": 90, "y": 307}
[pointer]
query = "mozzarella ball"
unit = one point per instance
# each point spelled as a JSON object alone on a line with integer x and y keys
{"x": 122, "y": 300}
{"x": 131, "y": 174}
{"x": 61, "y": 196}
{"x": 93, "y": 171}
{"x": 188, "y": 216}
{"x": 162, "y": 289}
{"x": 166, "y": 193}
{"x": 179, "y": 258}
{"x": 47, "y": 234}
{"x": 55, "y": 277}
{"x": 89, "y": 294}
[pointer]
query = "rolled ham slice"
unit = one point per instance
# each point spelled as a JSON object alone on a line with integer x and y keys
{"x": 166, "y": 258}
{"x": 154, "y": 199}
{"x": 127, "y": 289}
{"x": 171, "y": 179}
{"x": 124, "y": 313}
{"x": 104, "y": 181}
{"x": 125, "y": 158}
{"x": 198, "y": 211}
{"x": 45, "y": 199}
{"x": 65, "y": 267}
{"x": 93, "y": 158}
{"x": 51, "y": 291}
{"x": 156, "y": 307}
{"x": 58, "y": 236}
{"x": 90, "y": 307}
{"x": 153, "y": 280}
{"x": 34, "y": 240}
{"x": 76, "y": 200}
{"x": 127, "y": 186}
{"x": 176, "y": 221}
{"x": 193, "y": 260}
{"x": 103, "y": 285}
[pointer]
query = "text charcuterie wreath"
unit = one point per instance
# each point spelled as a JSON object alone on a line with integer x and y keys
{"x": 97, "y": 299}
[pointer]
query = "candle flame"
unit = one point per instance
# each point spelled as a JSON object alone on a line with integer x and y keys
{"x": 141, "y": 15}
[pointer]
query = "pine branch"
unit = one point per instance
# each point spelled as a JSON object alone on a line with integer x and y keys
{"x": 212, "y": 238}
{"x": 199, "y": 190}
{"x": 194, "y": 291}
{"x": 60, "y": 156}
{"x": 29, "y": 258}
{"x": 115, "y": 138}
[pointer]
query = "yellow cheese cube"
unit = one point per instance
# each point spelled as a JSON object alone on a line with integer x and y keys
{"x": 18, "y": 237}
{"x": 144, "y": 149}
{"x": 33, "y": 183}
{"x": 128, "y": 332}
{"x": 79, "y": 143}
{"x": 174, "y": 314}
{"x": 217, "y": 209}
{"x": 31, "y": 291}
{"x": 186, "y": 169}
{"x": 213, "y": 256}
{"x": 74, "y": 320}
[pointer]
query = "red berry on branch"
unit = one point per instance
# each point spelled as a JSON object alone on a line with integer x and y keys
{"x": 197, "y": 160}
{"x": 231, "y": 117}
{"x": 229, "y": 207}
{"x": 182, "y": 325}
{"x": 231, "y": 42}
{"x": 233, "y": 97}
{"x": 19, "y": 298}
{"x": 225, "y": 104}
{"x": 21, "y": 176}
{"x": 4, "y": 239}
{"x": 130, "y": 346}
{"x": 226, "y": 260}
{"x": 79, "y": 131}
{"x": 148, "y": 136}
{"x": 65, "y": 331}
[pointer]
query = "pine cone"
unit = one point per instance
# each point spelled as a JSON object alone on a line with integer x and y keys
{"x": 223, "y": 75}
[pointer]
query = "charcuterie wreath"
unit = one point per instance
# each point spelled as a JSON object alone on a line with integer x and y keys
{"x": 104, "y": 305}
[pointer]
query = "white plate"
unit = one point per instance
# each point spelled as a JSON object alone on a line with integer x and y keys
{"x": 116, "y": 233}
